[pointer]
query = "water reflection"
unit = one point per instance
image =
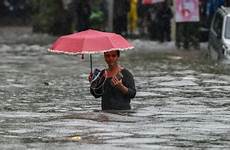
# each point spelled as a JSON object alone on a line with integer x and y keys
{"x": 45, "y": 104}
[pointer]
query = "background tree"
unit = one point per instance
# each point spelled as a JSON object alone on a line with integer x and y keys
{"x": 51, "y": 17}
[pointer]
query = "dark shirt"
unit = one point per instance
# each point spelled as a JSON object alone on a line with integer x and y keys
{"x": 113, "y": 98}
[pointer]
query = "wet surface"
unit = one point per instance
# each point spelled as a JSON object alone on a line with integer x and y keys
{"x": 45, "y": 104}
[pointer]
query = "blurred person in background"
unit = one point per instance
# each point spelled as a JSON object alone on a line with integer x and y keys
{"x": 133, "y": 17}
{"x": 211, "y": 7}
{"x": 120, "y": 16}
{"x": 164, "y": 16}
{"x": 82, "y": 10}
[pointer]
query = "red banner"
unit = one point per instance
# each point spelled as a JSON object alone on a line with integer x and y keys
{"x": 187, "y": 10}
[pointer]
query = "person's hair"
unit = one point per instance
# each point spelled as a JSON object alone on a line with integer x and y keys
{"x": 117, "y": 51}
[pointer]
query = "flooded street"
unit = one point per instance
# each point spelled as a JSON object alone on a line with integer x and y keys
{"x": 46, "y": 104}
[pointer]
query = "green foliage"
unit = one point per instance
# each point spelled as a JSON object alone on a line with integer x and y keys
{"x": 50, "y": 17}
{"x": 97, "y": 17}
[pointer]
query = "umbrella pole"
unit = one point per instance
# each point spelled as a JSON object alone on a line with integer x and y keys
{"x": 91, "y": 63}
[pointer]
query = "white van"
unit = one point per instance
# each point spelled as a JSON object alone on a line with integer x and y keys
{"x": 219, "y": 35}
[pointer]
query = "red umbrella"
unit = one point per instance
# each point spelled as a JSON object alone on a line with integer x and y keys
{"x": 90, "y": 42}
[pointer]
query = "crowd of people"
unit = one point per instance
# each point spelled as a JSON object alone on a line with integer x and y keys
{"x": 130, "y": 18}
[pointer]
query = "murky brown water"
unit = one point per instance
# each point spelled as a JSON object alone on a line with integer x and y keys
{"x": 45, "y": 104}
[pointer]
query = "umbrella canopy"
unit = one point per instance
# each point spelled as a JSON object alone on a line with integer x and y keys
{"x": 90, "y": 42}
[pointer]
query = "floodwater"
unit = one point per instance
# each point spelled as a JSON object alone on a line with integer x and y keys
{"x": 45, "y": 104}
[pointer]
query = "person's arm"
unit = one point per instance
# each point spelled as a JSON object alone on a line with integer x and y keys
{"x": 94, "y": 94}
{"x": 128, "y": 88}
{"x": 96, "y": 90}
{"x": 118, "y": 84}
{"x": 130, "y": 84}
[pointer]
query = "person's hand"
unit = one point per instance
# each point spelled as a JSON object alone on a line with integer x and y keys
{"x": 116, "y": 82}
{"x": 90, "y": 76}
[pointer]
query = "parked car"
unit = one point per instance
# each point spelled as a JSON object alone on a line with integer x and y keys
{"x": 219, "y": 35}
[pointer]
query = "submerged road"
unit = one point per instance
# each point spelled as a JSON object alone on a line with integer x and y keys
{"x": 45, "y": 101}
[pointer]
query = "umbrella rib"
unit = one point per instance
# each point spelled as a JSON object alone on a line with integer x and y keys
{"x": 111, "y": 42}
{"x": 117, "y": 48}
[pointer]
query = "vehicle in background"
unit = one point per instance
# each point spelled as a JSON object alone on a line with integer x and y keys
{"x": 219, "y": 35}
